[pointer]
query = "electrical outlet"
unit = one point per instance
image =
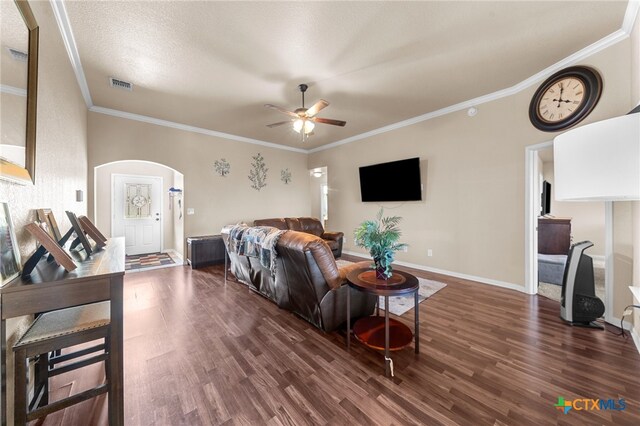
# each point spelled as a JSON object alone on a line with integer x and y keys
{"x": 429, "y": 252}
{"x": 405, "y": 249}
{"x": 191, "y": 211}
{"x": 627, "y": 311}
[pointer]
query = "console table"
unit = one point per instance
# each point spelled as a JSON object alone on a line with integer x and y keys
{"x": 49, "y": 287}
{"x": 372, "y": 331}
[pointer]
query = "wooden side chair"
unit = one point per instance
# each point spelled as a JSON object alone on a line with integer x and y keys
{"x": 44, "y": 339}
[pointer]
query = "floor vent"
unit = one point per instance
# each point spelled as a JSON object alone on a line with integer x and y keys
{"x": 120, "y": 84}
{"x": 18, "y": 55}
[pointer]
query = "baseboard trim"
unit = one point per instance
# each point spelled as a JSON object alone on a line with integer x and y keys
{"x": 616, "y": 322}
{"x": 598, "y": 261}
{"x": 174, "y": 253}
{"x": 481, "y": 280}
{"x": 636, "y": 339}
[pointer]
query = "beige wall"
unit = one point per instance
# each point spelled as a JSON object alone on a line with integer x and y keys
{"x": 217, "y": 201}
{"x": 139, "y": 168}
{"x": 635, "y": 100}
{"x": 472, "y": 215}
{"x": 587, "y": 218}
{"x": 61, "y": 153}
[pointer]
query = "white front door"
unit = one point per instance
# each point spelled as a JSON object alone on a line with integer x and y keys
{"x": 137, "y": 212}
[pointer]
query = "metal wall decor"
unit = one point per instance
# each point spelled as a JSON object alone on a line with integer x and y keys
{"x": 222, "y": 167}
{"x": 285, "y": 176}
{"x": 258, "y": 173}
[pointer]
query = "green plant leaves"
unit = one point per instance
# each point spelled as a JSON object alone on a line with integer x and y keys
{"x": 380, "y": 237}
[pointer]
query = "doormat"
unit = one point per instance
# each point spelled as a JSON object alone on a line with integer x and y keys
{"x": 148, "y": 260}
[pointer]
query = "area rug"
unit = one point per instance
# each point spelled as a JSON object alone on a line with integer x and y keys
{"x": 398, "y": 305}
{"x": 554, "y": 291}
{"x": 139, "y": 261}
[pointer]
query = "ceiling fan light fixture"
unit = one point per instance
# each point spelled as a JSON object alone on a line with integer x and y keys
{"x": 308, "y": 126}
{"x": 303, "y": 120}
{"x": 300, "y": 125}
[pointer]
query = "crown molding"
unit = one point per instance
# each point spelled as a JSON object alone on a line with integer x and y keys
{"x": 630, "y": 16}
{"x": 60, "y": 12}
{"x": 193, "y": 129}
{"x": 582, "y": 54}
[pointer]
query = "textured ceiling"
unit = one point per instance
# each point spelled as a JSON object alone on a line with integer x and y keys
{"x": 215, "y": 64}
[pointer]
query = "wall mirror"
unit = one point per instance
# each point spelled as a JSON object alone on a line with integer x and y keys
{"x": 18, "y": 91}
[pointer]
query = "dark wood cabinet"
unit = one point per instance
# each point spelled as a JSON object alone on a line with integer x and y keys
{"x": 204, "y": 251}
{"x": 554, "y": 235}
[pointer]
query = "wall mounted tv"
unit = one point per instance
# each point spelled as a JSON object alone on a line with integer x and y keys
{"x": 393, "y": 181}
{"x": 545, "y": 202}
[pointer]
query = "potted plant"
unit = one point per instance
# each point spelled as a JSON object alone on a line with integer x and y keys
{"x": 380, "y": 237}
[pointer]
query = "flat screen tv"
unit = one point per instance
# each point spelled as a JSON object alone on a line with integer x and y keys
{"x": 545, "y": 205}
{"x": 393, "y": 181}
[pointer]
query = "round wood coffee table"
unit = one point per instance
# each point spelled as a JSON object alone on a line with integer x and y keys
{"x": 378, "y": 332}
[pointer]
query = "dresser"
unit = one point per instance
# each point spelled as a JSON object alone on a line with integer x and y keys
{"x": 554, "y": 235}
{"x": 49, "y": 287}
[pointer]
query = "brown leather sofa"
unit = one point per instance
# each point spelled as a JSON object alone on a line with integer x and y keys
{"x": 310, "y": 225}
{"x": 307, "y": 280}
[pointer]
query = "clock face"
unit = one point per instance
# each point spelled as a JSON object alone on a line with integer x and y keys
{"x": 565, "y": 99}
{"x": 561, "y": 100}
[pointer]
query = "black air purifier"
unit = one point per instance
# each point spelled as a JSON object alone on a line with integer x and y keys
{"x": 579, "y": 304}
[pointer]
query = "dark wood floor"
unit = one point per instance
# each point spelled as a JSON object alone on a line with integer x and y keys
{"x": 198, "y": 352}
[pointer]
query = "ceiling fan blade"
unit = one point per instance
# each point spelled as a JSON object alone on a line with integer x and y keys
{"x": 321, "y": 104}
{"x": 328, "y": 121}
{"x": 282, "y": 110}
{"x": 279, "y": 123}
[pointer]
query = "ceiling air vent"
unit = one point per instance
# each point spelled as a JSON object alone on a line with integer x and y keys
{"x": 120, "y": 84}
{"x": 18, "y": 55}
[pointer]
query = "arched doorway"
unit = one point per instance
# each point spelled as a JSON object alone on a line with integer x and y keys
{"x": 142, "y": 201}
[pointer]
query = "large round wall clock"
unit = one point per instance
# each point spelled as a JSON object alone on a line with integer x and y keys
{"x": 565, "y": 98}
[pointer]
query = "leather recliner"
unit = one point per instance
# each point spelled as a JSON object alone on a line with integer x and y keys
{"x": 310, "y": 225}
{"x": 307, "y": 280}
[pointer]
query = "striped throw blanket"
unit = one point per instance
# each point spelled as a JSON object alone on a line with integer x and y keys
{"x": 255, "y": 241}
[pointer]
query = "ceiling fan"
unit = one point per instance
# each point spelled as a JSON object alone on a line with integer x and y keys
{"x": 304, "y": 119}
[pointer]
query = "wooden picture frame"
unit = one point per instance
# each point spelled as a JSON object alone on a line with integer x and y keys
{"x": 10, "y": 265}
{"x": 92, "y": 231}
{"x": 46, "y": 216}
{"x": 52, "y": 246}
{"x": 79, "y": 231}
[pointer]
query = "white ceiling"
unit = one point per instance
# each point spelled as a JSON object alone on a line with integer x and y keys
{"x": 215, "y": 64}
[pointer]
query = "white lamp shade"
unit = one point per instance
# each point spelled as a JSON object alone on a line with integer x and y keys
{"x": 599, "y": 161}
{"x": 308, "y": 126}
